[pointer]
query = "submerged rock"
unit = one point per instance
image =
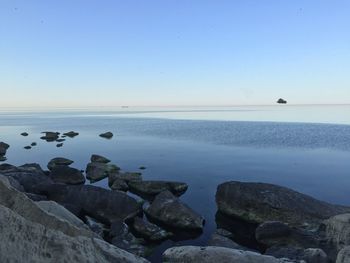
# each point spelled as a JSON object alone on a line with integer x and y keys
{"x": 59, "y": 161}
{"x": 50, "y": 136}
{"x": 66, "y": 175}
{"x": 97, "y": 171}
{"x": 106, "y": 135}
{"x": 169, "y": 210}
{"x": 260, "y": 202}
{"x": 216, "y": 254}
{"x": 149, "y": 231}
{"x": 156, "y": 187}
{"x": 71, "y": 134}
{"x": 99, "y": 159}
{"x": 99, "y": 203}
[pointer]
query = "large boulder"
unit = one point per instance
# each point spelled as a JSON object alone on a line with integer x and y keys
{"x": 3, "y": 148}
{"x": 97, "y": 171}
{"x": 169, "y": 210}
{"x": 260, "y": 202}
{"x": 153, "y": 188}
{"x": 24, "y": 240}
{"x": 149, "y": 231}
{"x": 99, "y": 203}
{"x": 67, "y": 175}
{"x": 124, "y": 176}
{"x": 216, "y": 254}
{"x": 59, "y": 161}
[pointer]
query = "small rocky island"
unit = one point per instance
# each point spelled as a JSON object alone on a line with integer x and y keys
{"x": 281, "y": 101}
{"x": 54, "y": 215}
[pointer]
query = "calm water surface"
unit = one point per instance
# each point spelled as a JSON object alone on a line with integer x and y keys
{"x": 306, "y": 148}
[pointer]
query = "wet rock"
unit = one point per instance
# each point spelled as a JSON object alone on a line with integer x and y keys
{"x": 124, "y": 176}
{"x": 156, "y": 187}
{"x": 3, "y": 148}
{"x": 99, "y": 203}
{"x": 50, "y": 136}
{"x": 216, "y": 254}
{"x": 222, "y": 238}
{"x": 71, "y": 134}
{"x": 120, "y": 185}
{"x": 170, "y": 211}
{"x": 149, "y": 231}
{"x": 106, "y": 135}
{"x": 59, "y": 161}
{"x": 98, "y": 171}
{"x": 281, "y": 101}
{"x": 260, "y": 202}
{"x": 344, "y": 255}
{"x": 99, "y": 159}
{"x": 27, "y": 147}
{"x": 33, "y": 144}
{"x": 59, "y": 145}
{"x": 24, "y": 134}
{"x": 66, "y": 175}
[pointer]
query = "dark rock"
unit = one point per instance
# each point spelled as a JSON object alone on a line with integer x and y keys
{"x": 24, "y": 134}
{"x": 59, "y": 161}
{"x": 3, "y": 158}
{"x": 124, "y": 176}
{"x": 27, "y": 147}
{"x": 67, "y": 175}
{"x": 149, "y": 231}
{"x": 95, "y": 226}
{"x": 15, "y": 184}
{"x": 33, "y": 144}
{"x": 3, "y": 148}
{"x": 281, "y": 101}
{"x": 106, "y": 135}
{"x": 36, "y": 197}
{"x": 101, "y": 204}
{"x": 142, "y": 168}
{"x": 120, "y": 185}
{"x": 222, "y": 238}
{"x": 260, "y": 202}
{"x": 310, "y": 255}
{"x": 156, "y": 187}
{"x": 59, "y": 145}
{"x": 98, "y": 171}
{"x": 71, "y": 134}
{"x": 60, "y": 140}
{"x": 99, "y": 159}
{"x": 50, "y": 136}
{"x": 170, "y": 211}
{"x": 272, "y": 231}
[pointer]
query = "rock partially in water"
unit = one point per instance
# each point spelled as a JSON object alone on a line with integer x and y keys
{"x": 59, "y": 145}
{"x": 260, "y": 202}
{"x": 155, "y": 187}
{"x": 71, "y": 134}
{"x": 60, "y": 140}
{"x": 119, "y": 185}
{"x": 149, "y": 231}
{"x": 106, "y": 135}
{"x": 309, "y": 255}
{"x": 50, "y": 136}
{"x": 3, "y": 148}
{"x": 169, "y": 210}
{"x": 33, "y": 144}
{"x": 99, "y": 203}
{"x": 59, "y": 161}
{"x": 24, "y": 134}
{"x": 66, "y": 175}
{"x": 27, "y": 147}
{"x": 124, "y": 176}
{"x": 97, "y": 171}
{"x": 216, "y": 254}
{"x": 3, "y": 158}
{"x": 95, "y": 158}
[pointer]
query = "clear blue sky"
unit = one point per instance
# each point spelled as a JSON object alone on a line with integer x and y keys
{"x": 173, "y": 52}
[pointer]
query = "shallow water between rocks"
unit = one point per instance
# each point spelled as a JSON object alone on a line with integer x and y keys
{"x": 198, "y": 148}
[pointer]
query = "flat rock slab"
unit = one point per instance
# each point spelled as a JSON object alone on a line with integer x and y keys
{"x": 169, "y": 210}
{"x": 260, "y": 202}
{"x": 99, "y": 203}
{"x": 67, "y": 175}
{"x": 71, "y": 134}
{"x": 156, "y": 187}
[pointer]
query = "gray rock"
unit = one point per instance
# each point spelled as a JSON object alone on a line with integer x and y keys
{"x": 99, "y": 159}
{"x": 315, "y": 255}
{"x": 98, "y": 171}
{"x": 120, "y": 185}
{"x": 149, "y": 231}
{"x": 106, "y": 135}
{"x": 216, "y": 254}
{"x": 344, "y": 255}
{"x": 125, "y": 176}
{"x": 66, "y": 175}
{"x": 50, "y": 136}
{"x": 59, "y": 161}
{"x": 99, "y": 203}
{"x": 156, "y": 187}
{"x": 35, "y": 197}
{"x": 218, "y": 239}
{"x": 309, "y": 255}
{"x": 95, "y": 226}
{"x": 169, "y": 210}
{"x": 71, "y": 134}
{"x": 267, "y": 202}
{"x": 25, "y": 240}
{"x": 3, "y": 148}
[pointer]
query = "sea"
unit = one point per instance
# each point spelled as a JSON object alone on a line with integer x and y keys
{"x": 303, "y": 147}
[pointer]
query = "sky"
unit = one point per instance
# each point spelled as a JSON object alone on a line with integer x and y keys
{"x": 85, "y": 53}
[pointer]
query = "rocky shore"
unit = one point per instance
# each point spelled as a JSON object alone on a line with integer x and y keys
{"x": 53, "y": 216}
